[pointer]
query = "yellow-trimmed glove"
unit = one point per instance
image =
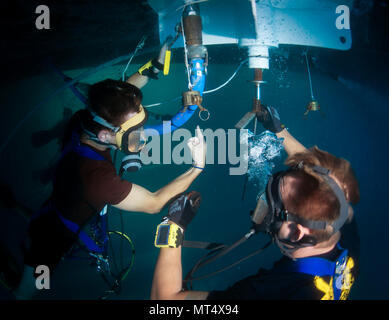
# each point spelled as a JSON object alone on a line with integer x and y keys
{"x": 170, "y": 233}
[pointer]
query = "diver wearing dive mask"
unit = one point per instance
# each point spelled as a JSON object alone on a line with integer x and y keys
{"x": 319, "y": 262}
{"x": 270, "y": 212}
{"x": 130, "y": 137}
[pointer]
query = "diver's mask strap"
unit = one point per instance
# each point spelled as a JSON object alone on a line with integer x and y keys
{"x": 321, "y": 225}
{"x": 310, "y": 224}
{"x": 337, "y": 224}
{"x": 94, "y": 138}
{"x": 275, "y": 201}
{"x": 288, "y": 247}
{"x": 103, "y": 122}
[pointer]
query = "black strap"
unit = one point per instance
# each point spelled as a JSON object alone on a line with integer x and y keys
{"x": 216, "y": 253}
{"x": 202, "y": 245}
{"x": 311, "y": 224}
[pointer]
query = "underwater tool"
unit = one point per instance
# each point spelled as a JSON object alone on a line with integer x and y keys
{"x": 168, "y": 53}
{"x": 204, "y": 92}
{"x": 251, "y": 115}
{"x": 196, "y": 62}
{"x": 192, "y": 97}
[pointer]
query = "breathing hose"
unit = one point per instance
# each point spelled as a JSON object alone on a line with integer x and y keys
{"x": 217, "y": 251}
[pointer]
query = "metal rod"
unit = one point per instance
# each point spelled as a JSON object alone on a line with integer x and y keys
{"x": 309, "y": 75}
{"x": 258, "y": 92}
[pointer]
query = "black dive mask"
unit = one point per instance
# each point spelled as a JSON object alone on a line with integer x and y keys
{"x": 270, "y": 213}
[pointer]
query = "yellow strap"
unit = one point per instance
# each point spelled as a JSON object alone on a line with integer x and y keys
{"x": 324, "y": 287}
{"x": 347, "y": 283}
{"x": 166, "y": 64}
{"x": 348, "y": 279}
{"x": 146, "y": 66}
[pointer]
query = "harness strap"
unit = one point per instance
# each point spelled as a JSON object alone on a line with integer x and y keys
{"x": 87, "y": 152}
{"x": 320, "y": 267}
{"x": 75, "y": 228}
{"x": 82, "y": 150}
{"x": 312, "y": 266}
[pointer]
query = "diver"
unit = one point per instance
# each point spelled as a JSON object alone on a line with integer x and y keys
{"x": 86, "y": 181}
{"x": 306, "y": 210}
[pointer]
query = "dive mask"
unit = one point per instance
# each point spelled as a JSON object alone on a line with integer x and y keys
{"x": 270, "y": 213}
{"x": 130, "y": 136}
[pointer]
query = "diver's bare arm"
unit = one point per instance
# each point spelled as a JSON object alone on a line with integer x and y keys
{"x": 291, "y": 145}
{"x": 167, "y": 281}
{"x": 138, "y": 80}
{"x": 141, "y": 200}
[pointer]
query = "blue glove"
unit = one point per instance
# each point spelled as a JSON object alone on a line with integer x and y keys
{"x": 183, "y": 209}
{"x": 270, "y": 119}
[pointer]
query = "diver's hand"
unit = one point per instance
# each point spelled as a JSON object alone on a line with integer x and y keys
{"x": 270, "y": 119}
{"x": 184, "y": 208}
{"x": 198, "y": 148}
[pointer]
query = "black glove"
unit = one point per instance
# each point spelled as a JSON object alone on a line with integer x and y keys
{"x": 152, "y": 68}
{"x": 183, "y": 209}
{"x": 270, "y": 119}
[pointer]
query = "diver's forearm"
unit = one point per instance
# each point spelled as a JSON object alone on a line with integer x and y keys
{"x": 291, "y": 145}
{"x": 138, "y": 80}
{"x": 167, "y": 281}
{"x": 178, "y": 185}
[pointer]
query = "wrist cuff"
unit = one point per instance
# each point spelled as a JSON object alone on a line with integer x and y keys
{"x": 168, "y": 235}
{"x": 156, "y": 64}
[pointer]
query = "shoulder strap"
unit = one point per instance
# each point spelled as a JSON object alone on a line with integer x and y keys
{"x": 82, "y": 150}
{"x": 75, "y": 228}
{"x": 314, "y": 266}
{"x": 87, "y": 152}
{"x": 320, "y": 267}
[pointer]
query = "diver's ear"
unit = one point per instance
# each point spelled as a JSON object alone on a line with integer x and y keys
{"x": 106, "y": 136}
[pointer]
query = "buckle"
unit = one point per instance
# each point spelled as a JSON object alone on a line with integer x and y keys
{"x": 284, "y": 215}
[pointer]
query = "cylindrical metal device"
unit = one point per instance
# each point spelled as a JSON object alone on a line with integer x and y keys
{"x": 193, "y": 27}
{"x": 257, "y": 74}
